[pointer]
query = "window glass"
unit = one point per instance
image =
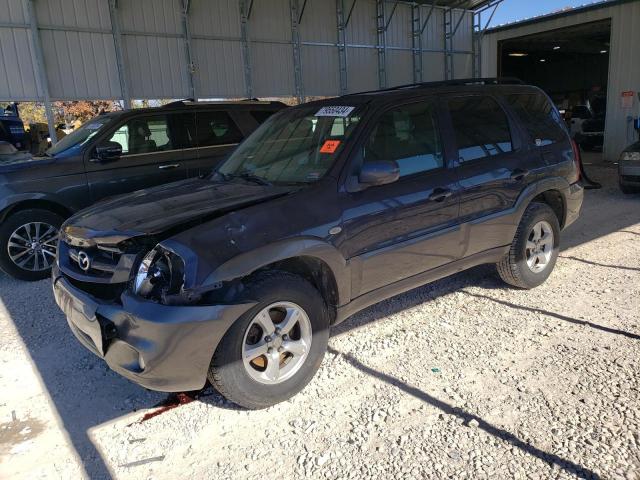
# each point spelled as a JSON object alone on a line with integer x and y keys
{"x": 409, "y": 135}
{"x": 481, "y": 127}
{"x": 143, "y": 135}
{"x": 539, "y": 117}
{"x": 216, "y": 128}
{"x": 261, "y": 116}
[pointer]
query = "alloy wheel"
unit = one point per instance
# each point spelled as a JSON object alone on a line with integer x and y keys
{"x": 539, "y": 248}
{"x": 33, "y": 246}
{"x": 276, "y": 343}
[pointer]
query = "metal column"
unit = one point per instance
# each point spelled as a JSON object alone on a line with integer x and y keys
{"x": 342, "y": 45}
{"x": 478, "y": 34}
{"x": 117, "y": 42}
{"x": 381, "y": 43}
{"x": 450, "y": 31}
{"x": 245, "y": 14}
{"x": 186, "y": 31}
{"x": 296, "y": 18}
{"x": 416, "y": 42}
{"x": 41, "y": 73}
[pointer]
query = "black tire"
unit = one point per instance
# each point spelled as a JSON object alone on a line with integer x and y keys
{"x": 628, "y": 190}
{"x": 227, "y": 372}
{"x": 513, "y": 268}
{"x": 9, "y": 226}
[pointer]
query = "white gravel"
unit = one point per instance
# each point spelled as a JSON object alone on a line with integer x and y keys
{"x": 463, "y": 378}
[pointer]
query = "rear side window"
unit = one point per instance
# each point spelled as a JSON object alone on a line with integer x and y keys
{"x": 481, "y": 127}
{"x": 408, "y": 135}
{"x": 143, "y": 135}
{"x": 261, "y": 116}
{"x": 539, "y": 118}
{"x": 216, "y": 128}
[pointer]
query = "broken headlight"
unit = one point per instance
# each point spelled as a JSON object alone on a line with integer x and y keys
{"x": 160, "y": 276}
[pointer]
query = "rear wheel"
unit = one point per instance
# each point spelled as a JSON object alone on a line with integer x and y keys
{"x": 274, "y": 350}
{"x": 534, "y": 249}
{"x": 29, "y": 243}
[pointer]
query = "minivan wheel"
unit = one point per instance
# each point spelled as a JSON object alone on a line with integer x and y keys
{"x": 534, "y": 249}
{"x": 29, "y": 243}
{"x": 274, "y": 349}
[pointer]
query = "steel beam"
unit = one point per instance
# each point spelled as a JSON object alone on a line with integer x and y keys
{"x": 117, "y": 43}
{"x": 295, "y": 42}
{"x": 342, "y": 44}
{"x": 41, "y": 73}
{"x": 245, "y": 12}
{"x": 381, "y": 32}
{"x": 416, "y": 42}
{"x": 448, "y": 44}
{"x": 186, "y": 32}
{"x": 478, "y": 34}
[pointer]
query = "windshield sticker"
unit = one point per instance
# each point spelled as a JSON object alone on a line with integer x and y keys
{"x": 330, "y": 146}
{"x": 336, "y": 111}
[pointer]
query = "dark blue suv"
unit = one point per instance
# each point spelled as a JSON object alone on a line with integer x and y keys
{"x": 327, "y": 208}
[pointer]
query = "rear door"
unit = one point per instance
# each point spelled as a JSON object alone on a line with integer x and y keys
{"x": 404, "y": 228}
{"x": 493, "y": 165}
{"x": 151, "y": 155}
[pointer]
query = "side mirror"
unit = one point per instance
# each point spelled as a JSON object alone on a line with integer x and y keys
{"x": 379, "y": 173}
{"x": 108, "y": 152}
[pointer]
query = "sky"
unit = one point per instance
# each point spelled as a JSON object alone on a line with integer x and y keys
{"x": 511, "y": 10}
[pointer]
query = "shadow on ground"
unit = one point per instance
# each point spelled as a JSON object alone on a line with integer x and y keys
{"x": 85, "y": 393}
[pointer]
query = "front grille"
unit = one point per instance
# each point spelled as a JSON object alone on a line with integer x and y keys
{"x": 99, "y": 262}
{"x": 109, "y": 292}
{"x": 95, "y": 264}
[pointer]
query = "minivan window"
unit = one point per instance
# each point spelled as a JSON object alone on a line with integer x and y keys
{"x": 80, "y": 136}
{"x": 481, "y": 127}
{"x": 143, "y": 135}
{"x": 409, "y": 136}
{"x": 539, "y": 117}
{"x": 216, "y": 128}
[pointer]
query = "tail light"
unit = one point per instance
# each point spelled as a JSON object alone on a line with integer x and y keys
{"x": 577, "y": 159}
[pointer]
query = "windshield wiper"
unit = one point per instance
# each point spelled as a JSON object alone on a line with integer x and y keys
{"x": 249, "y": 177}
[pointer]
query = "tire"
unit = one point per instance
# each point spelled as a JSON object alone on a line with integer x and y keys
{"x": 628, "y": 190}
{"x": 526, "y": 268}
{"x": 38, "y": 266}
{"x": 251, "y": 384}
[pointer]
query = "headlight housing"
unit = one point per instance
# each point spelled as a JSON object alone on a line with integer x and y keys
{"x": 630, "y": 157}
{"x": 160, "y": 275}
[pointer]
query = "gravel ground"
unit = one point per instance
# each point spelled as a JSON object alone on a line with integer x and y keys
{"x": 463, "y": 378}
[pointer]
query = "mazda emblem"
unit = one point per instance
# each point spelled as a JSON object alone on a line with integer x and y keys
{"x": 84, "y": 262}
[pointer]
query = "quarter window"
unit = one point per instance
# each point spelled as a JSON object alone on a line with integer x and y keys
{"x": 408, "y": 135}
{"x": 481, "y": 127}
{"x": 539, "y": 116}
{"x": 216, "y": 128}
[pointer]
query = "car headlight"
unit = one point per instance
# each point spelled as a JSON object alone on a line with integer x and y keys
{"x": 160, "y": 275}
{"x": 630, "y": 156}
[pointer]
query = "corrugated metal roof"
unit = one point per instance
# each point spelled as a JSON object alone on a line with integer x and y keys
{"x": 464, "y": 4}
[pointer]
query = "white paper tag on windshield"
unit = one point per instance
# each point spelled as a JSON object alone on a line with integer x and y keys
{"x": 337, "y": 111}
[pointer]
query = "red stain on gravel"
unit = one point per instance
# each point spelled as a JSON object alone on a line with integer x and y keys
{"x": 172, "y": 401}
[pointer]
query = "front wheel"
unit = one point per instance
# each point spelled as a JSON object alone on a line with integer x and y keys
{"x": 29, "y": 243}
{"x": 534, "y": 249}
{"x": 273, "y": 350}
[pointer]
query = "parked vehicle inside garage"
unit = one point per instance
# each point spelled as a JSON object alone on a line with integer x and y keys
{"x": 327, "y": 208}
{"x": 629, "y": 169}
{"x": 112, "y": 154}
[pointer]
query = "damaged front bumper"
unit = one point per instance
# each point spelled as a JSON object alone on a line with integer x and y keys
{"x": 165, "y": 348}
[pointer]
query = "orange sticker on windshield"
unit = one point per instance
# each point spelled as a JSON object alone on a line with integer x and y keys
{"x": 330, "y": 146}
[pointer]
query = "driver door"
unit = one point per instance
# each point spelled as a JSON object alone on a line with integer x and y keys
{"x": 152, "y": 154}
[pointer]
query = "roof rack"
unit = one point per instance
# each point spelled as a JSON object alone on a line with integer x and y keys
{"x": 447, "y": 83}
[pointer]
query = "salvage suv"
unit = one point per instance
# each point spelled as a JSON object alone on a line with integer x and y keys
{"x": 114, "y": 153}
{"x": 327, "y": 208}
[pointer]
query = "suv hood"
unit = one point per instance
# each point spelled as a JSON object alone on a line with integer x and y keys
{"x": 165, "y": 210}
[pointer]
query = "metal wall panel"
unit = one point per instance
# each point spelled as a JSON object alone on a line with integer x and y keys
{"x": 433, "y": 34}
{"x": 12, "y": 11}
{"x": 318, "y": 21}
{"x": 399, "y": 29}
{"x": 80, "y": 65}
{"x": 320, "y": 71}
{"x": 149, "y": 16}
{"x": 272, "y": 70}
{"x": 399, "y": 67}
{"x": 219, "y": 74}
{"x": 84, "y": 14}
{"x": 219, "y": 18}
{"x": 362, "y": 69}
{"x": 362, "y": 25}
{"x": 17, "y": 73}
{"x": 433, "y": 66}
{"x": 270, "y": 20}
{"x": 624, "y": 69}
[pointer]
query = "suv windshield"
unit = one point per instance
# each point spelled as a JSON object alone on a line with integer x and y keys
{"x": 80, "y": 136}
{"x": 294, "y": 147}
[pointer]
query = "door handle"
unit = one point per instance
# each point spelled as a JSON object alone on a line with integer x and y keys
{"x": 168, "y": 167}
{"x": 519, "y": 174}
{"x": 440, "y": 195}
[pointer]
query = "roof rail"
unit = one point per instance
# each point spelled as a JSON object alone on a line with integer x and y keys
{"x": 178, "y": 103}
{"x": 457, "y": 82}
